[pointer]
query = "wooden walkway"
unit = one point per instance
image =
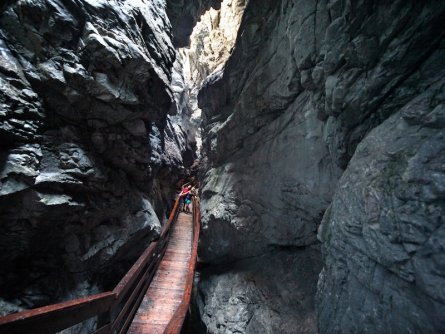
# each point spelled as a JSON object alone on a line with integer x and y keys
{"x": 166, "y": 291}
{"x": 166, "y": 268}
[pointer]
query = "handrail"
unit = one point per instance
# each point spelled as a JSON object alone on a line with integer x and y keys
{"x": 176, "y": 322}
{"x": 132, "y": 282}
{"x": 115, "y": 308}
{"x": 53, "y": 318}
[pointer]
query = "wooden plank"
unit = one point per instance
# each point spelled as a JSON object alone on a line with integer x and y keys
{"x": 167, "y": 289}
{"x": 155, "y": 329}
{"x": 177, "y": 253}
{"x": 135, "y": 294}
{"x": 130, "y": 278}
{"x": 122, "y": 327}
{"x": 133, "y": 310}
{"x": 126, "y": 282}
{"x": 54, "y": 318}
{"x": 175, "y": 242}
{"x": 176, "y": 322}
{"x": 132, "y": 275}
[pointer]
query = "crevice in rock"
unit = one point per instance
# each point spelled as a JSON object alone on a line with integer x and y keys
{"x": 316, "y": 129}
{"x": 92, "y": 144}
{"x": 355, "y": 69}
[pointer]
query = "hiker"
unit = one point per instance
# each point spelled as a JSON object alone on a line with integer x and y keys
{"x": 187, "y": 198}
{"x": 187, "y": 202}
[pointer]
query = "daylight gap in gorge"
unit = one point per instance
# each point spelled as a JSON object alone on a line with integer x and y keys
{"x": 316, "y": 129}
{"x": 210, "y": 44}
{"x": 208, "y": 49}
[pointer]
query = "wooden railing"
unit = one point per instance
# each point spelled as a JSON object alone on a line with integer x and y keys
{"x": 114, "y": 309}
{"x": 176, "y": 322}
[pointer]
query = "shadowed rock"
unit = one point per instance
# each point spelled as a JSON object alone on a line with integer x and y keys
{"x": 306, "y": 84}
{"x": 84, "y": 133}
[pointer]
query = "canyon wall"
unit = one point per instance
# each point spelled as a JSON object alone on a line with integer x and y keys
{"x": 184, "y": 14}
{"x": 211, "y": 41}
{"x": 326, "y": 111}
{"x": 92, "y": 138}
{"x": 323, "y": 149}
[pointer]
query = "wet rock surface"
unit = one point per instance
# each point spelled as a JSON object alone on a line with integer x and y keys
{"x": 272, "y": 294}
{"x": 325, "y": 125}
{"x": 306, "y": 84}
{"x": 89, "y": 143}
{"x": 383, "y": 234}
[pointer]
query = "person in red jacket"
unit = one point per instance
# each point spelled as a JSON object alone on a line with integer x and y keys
{"x": 187, "y": 197}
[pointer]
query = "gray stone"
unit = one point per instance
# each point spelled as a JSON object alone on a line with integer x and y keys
{"x": 184, "y": 15}
{"x": 83, "y": 185}
{"x": 308, "y": 86}
{"x": 269, "y": 295}
{"x": 386, "y": 216}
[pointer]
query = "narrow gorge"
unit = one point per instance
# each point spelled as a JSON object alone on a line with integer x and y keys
{"x": 315, "y": 128}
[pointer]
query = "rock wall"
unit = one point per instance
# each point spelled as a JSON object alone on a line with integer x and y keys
{"x": 328, "y": 117}
{"x": 184, "y": 14}
{"x": 88, "y": 150}
{"x": 384, "y": 233}
{"x": 210, "y": 45}
{"x": 211, "y": 41}
{"x": 270, "y": 293}
{"x": 306, "y": 84}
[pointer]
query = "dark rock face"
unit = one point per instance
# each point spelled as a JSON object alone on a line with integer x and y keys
{"x": 329, "y": 116}
{"x": 274, "y": 293}
{"x": 307, "y": 83}
{"x": 88, "y": 151}
{"x": 383, "y": 236}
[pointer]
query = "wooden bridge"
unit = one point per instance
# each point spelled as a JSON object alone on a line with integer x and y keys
{"x": 152, "y": 298}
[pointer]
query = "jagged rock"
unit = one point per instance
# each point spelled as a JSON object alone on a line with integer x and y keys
{"x": 84, "y": 185}
{"x": 259, "y": 189}
{"x": 20, "y": 110}
{"x": 7, "y": 308}
{"x": 183, "y": 122}
{"x": 326, "y": 108}
{"x": 383, "y": 235}
{"x": 305, "y": 84}
{"x": 20, "y": 168}
{"x": 212, "y": 41}
{"x": 269, "y": 295}
{"x": 210, "y": 45}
